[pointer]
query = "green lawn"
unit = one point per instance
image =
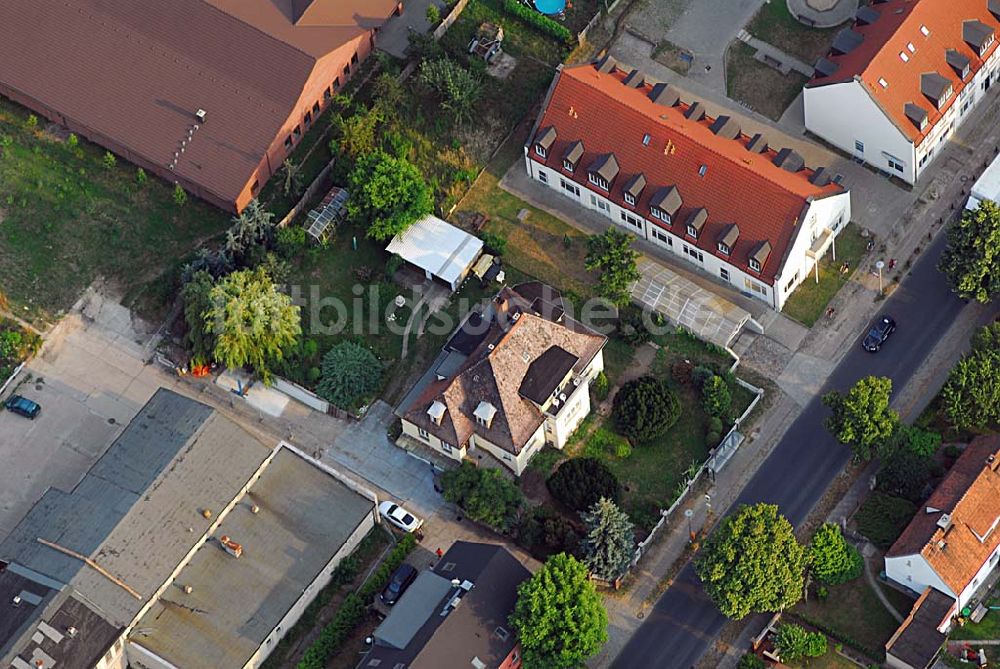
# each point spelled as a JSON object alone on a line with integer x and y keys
{"x": 832, "y": 660}
{"x": 66, "y": 218}
{"x": 987, "y": 628}
{"x": 775, "y": 25}
{"x": 763, "y": 88}
{"x": 808, "y": 303}
{"x": 16, "y": 344}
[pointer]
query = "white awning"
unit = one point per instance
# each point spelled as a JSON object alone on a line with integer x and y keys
{"x": 438, "y": 248}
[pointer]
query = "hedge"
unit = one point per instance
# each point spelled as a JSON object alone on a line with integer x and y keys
{"x": 537, "y": 20}
{"x": 875, "y": 654}
{"x": 352, "y": 610}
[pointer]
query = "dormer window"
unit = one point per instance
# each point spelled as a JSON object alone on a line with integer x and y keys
{"x": 754, "y": 265}
{"x": 723, "y": 249}
{"x": 567, "y": 165}
{"x": 542, "y": 153}
{"x": 759, "y": 256}
{"x": 978, "y": 35}
{"x": 692, "y": 231}
{"x": 629, "y": 200}
{"x": 632, "y": 188}
{"x": 665, "y": 203}
{"x": 436, "y": 412}
{"x": 658, "y": 213}
{"x": 603, "y": 171}
{"x": 572, "y": 156}
{"x": 727, "y": 239}
{"x": 598, "y": 181}
{"x": 484, "y": 414}
{"x": 544, "y": 140}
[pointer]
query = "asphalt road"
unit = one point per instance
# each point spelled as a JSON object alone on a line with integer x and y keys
{"x": 684, "y": 622}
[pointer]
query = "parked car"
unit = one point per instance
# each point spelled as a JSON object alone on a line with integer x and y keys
{"x": 399, "y": 517}
{"x": 878, "y": 333}
{"x": 23, "y": 406}
{"x": 397, "y": 585}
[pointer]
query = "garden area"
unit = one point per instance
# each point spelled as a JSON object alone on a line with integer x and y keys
{"x": 16, "y": 345}
{"x": 987, "y": 628}
{"x": 70, "y": 212}
{"x": 809, "y": 301}
{"x": 775, "y": 25}
{"x": 758, "y": 85}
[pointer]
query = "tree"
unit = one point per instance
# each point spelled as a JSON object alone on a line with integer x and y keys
{"x": 456, "y": 88}
{"x": 180, "y": 196}
{"x": 486, "y": 495}
{"x": 351, "y": 372}
{"x": 862, "y": 418}
{"x": 580, "y": 482}
{"x": 905, "y": 474}
{"x": 292, "y": 182}
{"x": 752, "y": 563}
{"x": 644, "y": 409}
{"x": 388, "y": 194}
{"x": 357, "y": 133}
{"x": 971, "y": 262}
{"x": 922, "y": 442}
{"x": 971, "y": 397}
{"x": 253, "y": 229}
{"x": 612, "y": 255}
{"x": 609, "y": 546}
{"x": 715, "y": 396}
{"x": 751, "y": 661}
{"x": 831, "y": 559}
{"x": 792, "y": 642}
{"x": 559, "y": 616}
{"x": 197, "y": 302}
{"x": 251, "y": 321}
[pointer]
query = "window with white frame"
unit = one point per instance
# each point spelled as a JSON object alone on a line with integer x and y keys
{"x": 724, "y": 273}
{"x": 540, "y": 150}
{"x": 692, "y": 231}
{"x": 569, "y": 187}
{"x": 723, "y": 248}
{"x": 754, "y": 265}
{"x": 568, "y": 166}
{"x": 895, "y": 165}
{"x": 543, "y": 177}
{"x": 446, "y": 447}
{"x": 629, "y": 199}
{"x": 660, "y": 214}
{"x": 598, "y": 180}
{"x": 630, "y": 220}
{"x": 693, "y": 253}
{"x": 661, "y": 236}
{"x": 423, "y": 434}
{"x": 755, "y": 287}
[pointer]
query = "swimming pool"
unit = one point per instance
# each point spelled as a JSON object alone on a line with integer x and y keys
{"x": 550, "y": 7}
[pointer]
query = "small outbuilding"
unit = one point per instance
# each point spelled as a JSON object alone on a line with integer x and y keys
{"x": 987, "y": 186}
{"x": 441, "y": 250}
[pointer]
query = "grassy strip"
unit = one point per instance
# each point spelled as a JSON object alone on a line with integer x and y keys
{"x": 352, "y": 611}
{"x": 537, "y": 20}
{"x": 839, "y": 636}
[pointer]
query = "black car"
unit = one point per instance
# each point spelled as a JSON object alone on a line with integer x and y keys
{"x": 23, "y": 406}
{"x": 400, "y": 581}
{"x": 880, "y": 331}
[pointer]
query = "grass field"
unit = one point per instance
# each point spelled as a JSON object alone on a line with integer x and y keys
{"x": 763, "y": 88}
{"x": 808, "y": 303}
{"x": 67, "y": 218}
{"x": 775, "y": 25}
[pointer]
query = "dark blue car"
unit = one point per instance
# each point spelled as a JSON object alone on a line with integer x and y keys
{"x": 879, "y": 332}
{"x": 23, "y": 406}
{"x": 400, "y": 581}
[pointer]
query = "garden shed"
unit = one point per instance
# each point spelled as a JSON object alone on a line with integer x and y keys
{"x": 441, "y": 250}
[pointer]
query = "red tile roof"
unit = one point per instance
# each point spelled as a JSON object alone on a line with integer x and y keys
{"x": 970, "y": 495}
{"x": 898, "y": 26}
{"x": 737, "y": 185}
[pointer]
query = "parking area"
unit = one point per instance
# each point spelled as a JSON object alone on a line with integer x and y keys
{"x": 90, "y": 380}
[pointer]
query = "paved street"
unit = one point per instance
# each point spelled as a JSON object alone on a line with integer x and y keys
{"x": 683, "y": 623}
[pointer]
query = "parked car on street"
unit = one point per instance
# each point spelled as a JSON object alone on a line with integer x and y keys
{"x": 399, "y": 517}
{"x": 878, "y": 333}
{"x": 397, "y": 585}
{"x": 23, "y": 406}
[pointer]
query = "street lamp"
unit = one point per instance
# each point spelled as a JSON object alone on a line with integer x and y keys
{"x": 879, "y": 265}
{"x": 689, "y": 513}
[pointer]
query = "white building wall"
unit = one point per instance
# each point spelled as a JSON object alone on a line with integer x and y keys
{"x": 140, "y": 657}
{"x": 979, "y": 578}
{"x": 454, "y": 451}
{"x": 914, "y": 572}
{"x": 845, "y": 114}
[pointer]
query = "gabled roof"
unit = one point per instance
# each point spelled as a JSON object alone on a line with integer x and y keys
{"x": 970, "y": 497}
{"x": 905, "y": 40}
{"x": 733, "y": 180}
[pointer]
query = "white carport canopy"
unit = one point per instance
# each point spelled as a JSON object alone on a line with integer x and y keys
{"x": 688, "y": 305}
{"x": 438, "y": 248}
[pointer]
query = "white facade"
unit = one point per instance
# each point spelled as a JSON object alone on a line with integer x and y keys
{"x": 554, "y": 430}
{"x": 846, "y": 115}
{"x": 987, "y": 186}
{"x": 830, "y": 213}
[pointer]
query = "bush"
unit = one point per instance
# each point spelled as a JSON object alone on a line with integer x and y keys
{"x": 905, "y": 474}
{"x": 547, "y": 532}
{"x": 682, "y": 372}
{"x": 141, "y": 177}
{"x": 700, "y": 375}
{"x": 916, "y": 440}
{"x": 831, "y": 559}
{"x": 601, "y": 387}
{"x": 631, "y": 326}
{"x": 433, "y": 14}
{"x": 485, "y": 495}
{"x": 792, "y": 642}
{"x": 109, "y": 160}
{"x": 72, "y": 141}
{"x": 32, "y": 122}
{"x": 715, "y": 396}
{"x": 882, "y": 518}
{"x": 580, "y": 482}
{"x": 392, "y": 266}
{"x": 714, "y": 433}
{"x": 644, "y": 409}
{"x": 290, "y": 240}
{"x": 180, "y": 196}
{"x": 351, "y": 372}
{"x": 751, "y": 661}
{"x": 494, "y": 241}
{"x": 536, "y": 20}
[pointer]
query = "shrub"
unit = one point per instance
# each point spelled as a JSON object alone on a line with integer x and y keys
{"x": 882, "y": 518}
{"x": 714, "y": 433}
{"x": 682, "y": 372}
{"x": 793, "y": 642}
{"x": 645, "y": 409}
{"x": 494, "y": 241}
{"x": 833, "y": 560}
{"x": 623, "y": 450}
{"x": 109, "y": 160}
{"x": 547, "y": 532}
{"x": 822, "y": 592}
{"x": 486, "y": 495}
{"x": 905, "y": 474}
{"x": 392, "y": 265}
{"x": 751, "y": 661}
{"x": 32, "y": 122}
{"x": 350, "y": 373}
{"x": 72, "y": 141}
{"x": 180, "y": 196}
{"x": 715, "y": 396}
{"x": 290, "y": 240}
{"x": 141, "y": 177}
{"x": 631, "y": 326}
{"x": 916, "y": 440}
{"x": 700, "y": 375}
{"x": 601, "y": 387}
{"x": 580, "y": 482}
{"x": 536, "y": 20}
{"x": 433, "y": 14}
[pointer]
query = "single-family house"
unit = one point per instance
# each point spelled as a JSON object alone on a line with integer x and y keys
{"x": 750, "y": 214}
{"x": 898, "y": 83}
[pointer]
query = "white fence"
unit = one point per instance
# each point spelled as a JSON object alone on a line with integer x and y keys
{"x": 10, "y": 379}
{"x": 300, "y": 394}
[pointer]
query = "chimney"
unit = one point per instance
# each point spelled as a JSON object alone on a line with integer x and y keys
{"x": 200, "y": 115}
{"x": 230, "y": 546}
{"x": 71, "y": 632}
{"x": 502, "y": 306}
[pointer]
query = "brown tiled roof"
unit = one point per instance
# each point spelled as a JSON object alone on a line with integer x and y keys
{"x": 900, "y": 24}
{"x": 710, "y": 169}
{"x": 496, "y": 375}
{"x": 970, "y": 495}
{"x": 917, "y": 641}
{"x": 136, "y": 71}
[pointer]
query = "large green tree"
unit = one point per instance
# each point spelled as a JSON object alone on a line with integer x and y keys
{"x": 971, "y": 262}
{"x": 197, "y": 302}
{"x": 350, "y": 373}
{"x": 862, "y": 418}
{"x": 485, "y": 494}
{"x": 612, "y": 255}
{"x": 752, "y": 563}
{"x": 251, "y": 321}
{"x": 831, "y": 559}
{"x": 792, "y": 642}
{"x": 388, "y": 194}
{"x": 609, "y": 546}
{"x": 971, "y": 397}
{"x": 644, "y": 409}
{"x": 559, "y": 617}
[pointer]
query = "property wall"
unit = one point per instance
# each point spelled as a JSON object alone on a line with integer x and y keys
{"x": 710, "y": 262}
{"x": 913, "y": 572}
{"x": 454, "y": 451}
{"x": 845, "y": 113}
{"x": 321, "y": 581}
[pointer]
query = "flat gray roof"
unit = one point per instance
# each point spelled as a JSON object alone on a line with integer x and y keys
{"x": 306, "y": 515}
{"x": 421, "y": 602}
